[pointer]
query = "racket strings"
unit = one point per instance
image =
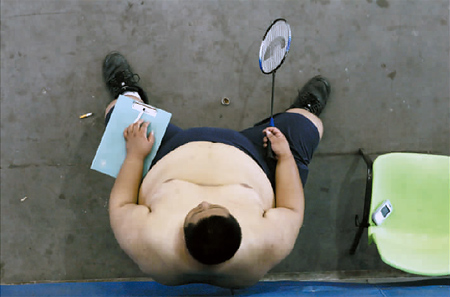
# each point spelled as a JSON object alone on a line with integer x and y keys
{"x": 275, "y": 46}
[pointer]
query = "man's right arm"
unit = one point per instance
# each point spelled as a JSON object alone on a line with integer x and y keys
{"x": 129, "y": 219}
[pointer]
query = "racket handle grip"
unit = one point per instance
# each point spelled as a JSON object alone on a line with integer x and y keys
{"x": 272, "y": 122}
{"x": 269, "y": 152}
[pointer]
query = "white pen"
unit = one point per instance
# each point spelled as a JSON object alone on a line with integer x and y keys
{"x": 138, "y": 117}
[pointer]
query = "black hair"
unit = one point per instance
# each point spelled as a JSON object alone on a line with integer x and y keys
{"x": 213, "y": 239}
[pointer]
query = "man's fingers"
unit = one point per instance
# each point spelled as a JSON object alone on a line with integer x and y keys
{"x": 130, "y": 129}
{"x": 151, "y": 137}
{"x": 270, "y": 134}
{"x": 273, "y": 131}
{"x": 138, "y": 125}
{"x": 144, "y": 127}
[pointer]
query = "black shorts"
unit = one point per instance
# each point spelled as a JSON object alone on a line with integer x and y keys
{"x": 301, "y": 133}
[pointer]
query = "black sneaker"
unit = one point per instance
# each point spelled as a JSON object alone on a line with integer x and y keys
{"x": 119, "y": 78}
{"x": 314, "y": 95}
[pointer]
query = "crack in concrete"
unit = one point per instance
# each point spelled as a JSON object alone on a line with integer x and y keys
{"x": 16, "y": 166}
{"x": 39, "y": 14}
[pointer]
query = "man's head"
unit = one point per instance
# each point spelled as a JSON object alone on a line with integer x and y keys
{"x": 211, "y": 233}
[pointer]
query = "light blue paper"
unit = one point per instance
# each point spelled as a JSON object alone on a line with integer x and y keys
{"x": 112, "y": 151}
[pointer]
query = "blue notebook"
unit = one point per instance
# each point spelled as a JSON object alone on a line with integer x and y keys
{"x": 112, "y": 149}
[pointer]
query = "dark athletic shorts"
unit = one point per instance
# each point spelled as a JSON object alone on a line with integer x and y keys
{"x": 301, "y": 133}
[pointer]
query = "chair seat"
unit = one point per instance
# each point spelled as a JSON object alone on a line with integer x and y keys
{"x": 415, "y": 237}
{"x": 422, "y": 254}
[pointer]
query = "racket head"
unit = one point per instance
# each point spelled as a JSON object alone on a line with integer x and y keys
{"x": 274, "y": 46}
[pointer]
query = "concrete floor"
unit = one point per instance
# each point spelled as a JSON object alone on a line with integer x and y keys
{"x": 387, "y": 60}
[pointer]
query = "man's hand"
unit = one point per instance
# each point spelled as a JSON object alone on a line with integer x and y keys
{"x": 138, "y": 144}
{"x": 280, "y": 145}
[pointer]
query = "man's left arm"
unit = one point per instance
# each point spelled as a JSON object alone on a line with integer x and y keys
{"x": 282, "y": 223}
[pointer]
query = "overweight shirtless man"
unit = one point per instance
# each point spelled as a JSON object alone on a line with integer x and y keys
{"x": 212, "y": 209}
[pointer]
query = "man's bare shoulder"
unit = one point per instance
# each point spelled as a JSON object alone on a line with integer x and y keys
{"x": 261, "y": 249}
{"x": 158, "y": 248}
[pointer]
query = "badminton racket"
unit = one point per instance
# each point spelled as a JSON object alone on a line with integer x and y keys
{"x": 272, "y": 53}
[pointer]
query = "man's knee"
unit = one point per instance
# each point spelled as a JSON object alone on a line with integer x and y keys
{"x": 110, "y": 105}
{"x": 310, "y": 116}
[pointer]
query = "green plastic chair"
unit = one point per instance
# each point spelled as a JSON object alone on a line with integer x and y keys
{"x": 415, "y": 236}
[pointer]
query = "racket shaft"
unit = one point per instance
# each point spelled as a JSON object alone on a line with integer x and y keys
{"x": 269, "y": 152}
{"x": 273, "y": 93}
